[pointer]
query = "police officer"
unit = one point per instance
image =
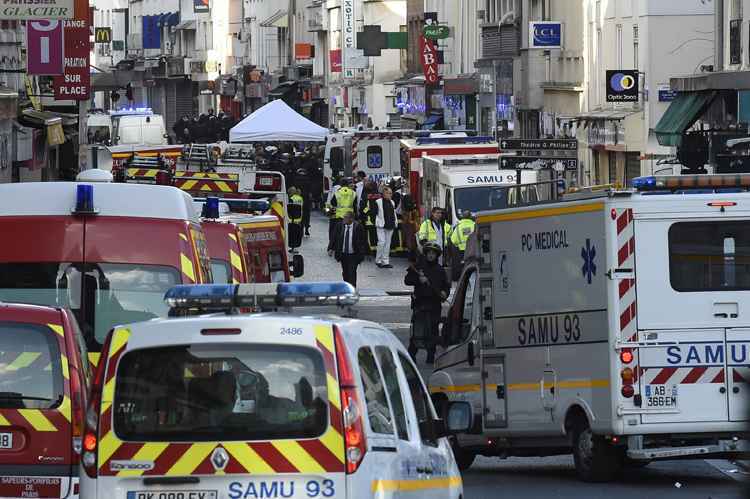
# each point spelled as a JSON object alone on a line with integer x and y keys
{"x": 431, "y": 288}
{"x": 435, "y": 230}
{"x": 459, "y": 237}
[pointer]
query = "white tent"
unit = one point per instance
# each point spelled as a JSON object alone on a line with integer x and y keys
{"x": 277, "y": 122}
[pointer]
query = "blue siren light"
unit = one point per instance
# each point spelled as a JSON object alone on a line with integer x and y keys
{"x": 84, "y": 199}
{"x": 206, "y": 296}
{"x": 211, "y": 208}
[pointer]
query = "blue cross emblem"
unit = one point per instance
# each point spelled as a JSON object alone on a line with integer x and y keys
{"x": 588, "y": 254}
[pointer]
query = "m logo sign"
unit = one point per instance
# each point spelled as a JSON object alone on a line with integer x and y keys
{"x": 102, "y": 35}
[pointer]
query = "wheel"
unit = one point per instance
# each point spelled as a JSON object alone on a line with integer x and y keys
{"x": 596, "y": 460}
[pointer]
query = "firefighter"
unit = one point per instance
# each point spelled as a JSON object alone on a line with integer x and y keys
{"x": 296, "y": 205}
{"x": 435, "y": 230}
{"x": 458, "y": 239}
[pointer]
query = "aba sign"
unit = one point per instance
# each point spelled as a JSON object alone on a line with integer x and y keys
{"x": 545, "y": 35}
{"x": 622, "y": 86}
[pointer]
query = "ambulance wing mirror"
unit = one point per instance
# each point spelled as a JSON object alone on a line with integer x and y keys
{"x": 459, "y": 417}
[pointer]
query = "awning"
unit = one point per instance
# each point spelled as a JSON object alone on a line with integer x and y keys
{"x": 186, "y": 25}
{"x": 681, "y": 114}
{"x": 283, "y": 89}
{"x": 279, "y": 19}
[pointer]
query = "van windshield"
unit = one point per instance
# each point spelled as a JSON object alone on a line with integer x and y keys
{"x": 210, "y": 392}
{"x": 30, "y": 367}
{"x": 101, "y": 295}
{"x": 484, "y": 198}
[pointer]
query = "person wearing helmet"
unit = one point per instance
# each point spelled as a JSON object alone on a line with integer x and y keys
{"x": 459, "y": 237}
{"x": 431, "y": 289}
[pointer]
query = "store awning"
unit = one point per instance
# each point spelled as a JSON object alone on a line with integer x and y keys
{"x": 279, "y": 19}
{"x": 681, "y": 114}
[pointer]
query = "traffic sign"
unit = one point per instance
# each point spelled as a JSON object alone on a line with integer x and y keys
{"x": 539, "y": 144}
{"x": 536, "y": 162}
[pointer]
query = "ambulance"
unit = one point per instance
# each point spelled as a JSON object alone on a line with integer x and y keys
{"x": 436, "y": 145}
{"x": 107, "y": 251}
{"x": 278, "y": 403}
{"x": 472, "y": 183}
{"x": 612, "y": 325}
{"x": 246, "y": 248}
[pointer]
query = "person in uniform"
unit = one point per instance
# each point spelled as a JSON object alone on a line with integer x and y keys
{"x": 385, "y": 224}
{"x": 342, "y": 202}
{"x": 458, "y": 239}
{"x": 431, "y": 289}
{"x": 435, "y": 230}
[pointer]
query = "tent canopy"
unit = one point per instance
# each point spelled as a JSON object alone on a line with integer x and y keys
{"x": 276, "y": 121}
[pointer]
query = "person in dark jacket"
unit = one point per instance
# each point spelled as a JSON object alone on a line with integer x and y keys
{"x": 431, "y": 289}
{"x": 349, "y": 246}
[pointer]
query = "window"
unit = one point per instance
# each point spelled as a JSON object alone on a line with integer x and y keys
{"x": 378, "y": 410}
{"x": 422, "y": 404}
{"x": 709, "y": 256}
{"x": 209, "y": 392}
{"x": 478, "y": 199}
{"x": 468, "y": 315}
{"x": 221, "y": 271}
{"x": 30, "y": 367}
{"x": 390, "y": 373}
{"x": 449, "y": 208}
{"x": 374, "y": 157}
{"x": 337, "y": 161}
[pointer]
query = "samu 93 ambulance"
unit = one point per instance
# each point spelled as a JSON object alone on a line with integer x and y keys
{"x": 266, "y": 405}
{"x": 107, "y": 251}
{"x": 613, "y": 325}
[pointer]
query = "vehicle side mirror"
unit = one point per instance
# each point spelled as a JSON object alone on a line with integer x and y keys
{"x": 298, "y": 266}
{"x": 470, "y": 353}
{"x": 432, "y": 429}
{"x": 459, "y": 418}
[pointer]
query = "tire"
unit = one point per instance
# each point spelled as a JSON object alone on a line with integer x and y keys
{"x": 595, "y": 459}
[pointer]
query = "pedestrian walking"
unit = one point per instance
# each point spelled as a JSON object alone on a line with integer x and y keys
{"x": 349, "y": 247}
{"x": 431, "y": 289}
{"x": 435, "y": 230}
{"x": 385, "y": 223}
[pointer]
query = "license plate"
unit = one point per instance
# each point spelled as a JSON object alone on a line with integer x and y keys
{"x": 6, "y": 440}
{"x": 661, "y": 396}
{"x": 172, "y": 494}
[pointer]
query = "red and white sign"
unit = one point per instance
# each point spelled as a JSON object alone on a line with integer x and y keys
{"x": 44, "y": 42}
{"x": 428, "y": 49}
{"x": 75, "y": 82}
{"x": 23, "y": 486}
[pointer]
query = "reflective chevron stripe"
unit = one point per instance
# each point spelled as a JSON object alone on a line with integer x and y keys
{"x": 235, "y": 260}
{"x": 186, "y": 262}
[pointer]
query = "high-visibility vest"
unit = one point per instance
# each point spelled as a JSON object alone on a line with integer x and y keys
{"x": 344, "y": 201}
{"x": 427, "y": 232}
{"x": 461, "y": 233}
{"x": 296, "y": 199}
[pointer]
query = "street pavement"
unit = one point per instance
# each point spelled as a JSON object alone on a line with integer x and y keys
{"x": 527, "y": 478}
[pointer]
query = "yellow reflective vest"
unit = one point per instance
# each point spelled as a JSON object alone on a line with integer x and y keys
{"x": 427, "y": 232}
{"x": 344, "y": 201}
{"x": 296, "y": 199}
{"x": 461, "y": 233}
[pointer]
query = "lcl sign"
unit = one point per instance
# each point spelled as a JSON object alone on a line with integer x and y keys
{"x": 545, "y": 35}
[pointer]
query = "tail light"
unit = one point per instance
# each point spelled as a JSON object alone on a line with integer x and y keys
{"x": 77, "y": 416}
{"x": 627, "y": 391}
{"x": 626, "y": 356}
{"x": 90, "y": 444}
{"x": 163, "y": 178}
{"x": 354, "y": 436}
{"x": 627, "y": 376}
{"x": 267, "y": 182}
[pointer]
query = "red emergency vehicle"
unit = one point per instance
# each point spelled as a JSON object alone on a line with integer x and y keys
{"x": 44, "y": 378}
{"x": 108, "y": 251}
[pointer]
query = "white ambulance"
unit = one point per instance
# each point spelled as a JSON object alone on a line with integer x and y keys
{"x": 613, "y": 325}
{"x": 474, "y": 183}
{"x": 230, "y": 406}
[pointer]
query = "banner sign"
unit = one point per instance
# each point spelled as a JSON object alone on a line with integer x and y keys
{"x": 75, "y": 81}
{"x": 348, "y": 33}
{"x": 44, "y": 45}
{"x": 428, "y": 49}
{"x": 622, "y": 85}
{"x": 335, "y": 56}
{"x": 52, "y": 9}
{"x": 545, "y": 35}
{"x": 201, "y": 6}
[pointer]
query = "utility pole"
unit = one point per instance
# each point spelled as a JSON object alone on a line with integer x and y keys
{"x": 292, "y": 32}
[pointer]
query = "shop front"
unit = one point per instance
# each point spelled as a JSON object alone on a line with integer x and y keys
{"x": 460, "y": 102}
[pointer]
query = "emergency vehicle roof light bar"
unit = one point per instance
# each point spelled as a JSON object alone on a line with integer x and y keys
{"x": 454, "y": 140}
{"x": 211, "y": 208}
{"x": 685, "y": 182}
{"x": 226, "y": 297}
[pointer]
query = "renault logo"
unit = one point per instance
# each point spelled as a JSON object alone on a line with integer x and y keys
{"x": 219, "y": 458}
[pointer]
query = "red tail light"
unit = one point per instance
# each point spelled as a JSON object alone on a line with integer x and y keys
{"x": 354, "y": 435}
{"x": 89, "y": 455}
{"x": 267, "y": 182}
{"x": 77, "y": 416}
{"x": 627, "y": 391}
{"x": 626, "y": 356}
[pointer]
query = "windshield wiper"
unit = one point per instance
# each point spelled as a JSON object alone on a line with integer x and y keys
{"x": 18, "y": 395}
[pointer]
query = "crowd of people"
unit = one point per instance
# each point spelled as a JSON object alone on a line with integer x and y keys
{"x": 204, "y": 128}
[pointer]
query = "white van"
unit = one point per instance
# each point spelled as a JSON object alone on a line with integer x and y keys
{"x": 229, "y": 406}
{"x": 141, "y": 129}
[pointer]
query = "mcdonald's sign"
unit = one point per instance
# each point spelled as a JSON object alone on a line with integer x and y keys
{"x": 102, "y": 35}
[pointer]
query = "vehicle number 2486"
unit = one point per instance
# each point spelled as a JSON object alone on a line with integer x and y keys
{"x": 291, "y": 331}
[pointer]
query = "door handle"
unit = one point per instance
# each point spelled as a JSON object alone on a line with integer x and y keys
{"x": 721, "y": 315}
{"x": 426, "y": 471}
{"x": 736, "y": 389}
